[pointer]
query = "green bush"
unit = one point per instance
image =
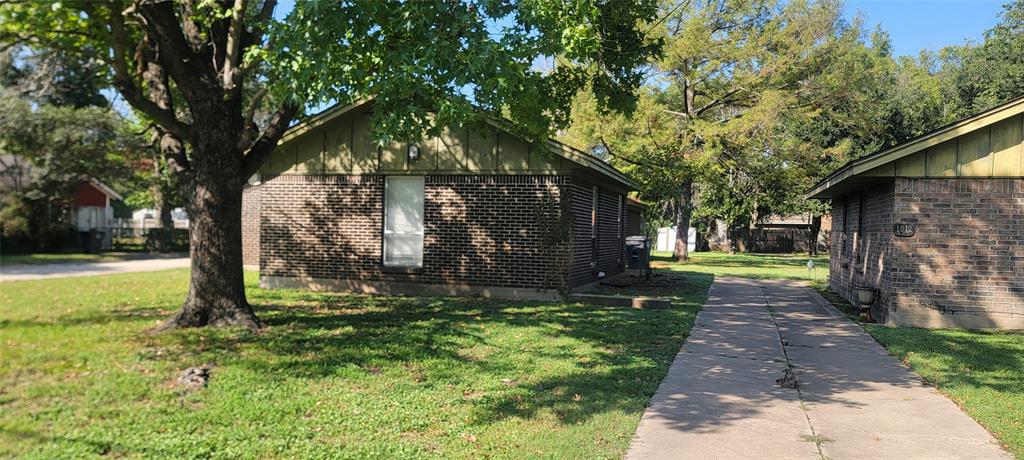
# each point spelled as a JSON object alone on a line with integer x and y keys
{"x": 167, "y": 240}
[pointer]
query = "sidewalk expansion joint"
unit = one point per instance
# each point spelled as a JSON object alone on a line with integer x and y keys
{"x": 816, "y": 438}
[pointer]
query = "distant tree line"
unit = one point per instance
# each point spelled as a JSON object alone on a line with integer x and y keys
{"x": 754, "y": 101}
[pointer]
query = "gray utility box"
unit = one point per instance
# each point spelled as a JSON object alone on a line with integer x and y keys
{"x": 639, "y": 250}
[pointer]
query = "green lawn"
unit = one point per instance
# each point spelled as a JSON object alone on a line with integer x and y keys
{"x": 762, "y": 266}
{"x": 334, "y": 375}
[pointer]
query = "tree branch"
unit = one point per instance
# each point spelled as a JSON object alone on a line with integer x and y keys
{"x": 249, "y": 129}
{"x": 629, "y": 160}
{"x": 159, "y": 93}
{"x": 233, "y": 51}
{"x": 258, "y": 30}
{"x": 720, "y": 100}
{"x": 267, "y": 142}
{"x": 125, "y": 84}
{"x": 175, "y": 53}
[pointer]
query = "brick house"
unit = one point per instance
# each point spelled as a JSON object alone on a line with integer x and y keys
{"x": 474, "y": 211}
{"x": 936, "y": 225}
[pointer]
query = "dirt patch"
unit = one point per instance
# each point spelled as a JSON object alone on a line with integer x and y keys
{"x": 658, "y": 280}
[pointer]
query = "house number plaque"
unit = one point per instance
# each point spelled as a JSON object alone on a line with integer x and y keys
{"x": 903, "y": 230}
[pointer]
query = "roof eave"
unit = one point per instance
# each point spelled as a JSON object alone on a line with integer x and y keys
{"x": 105, "y": 189}
{"x": 914, "y": 145}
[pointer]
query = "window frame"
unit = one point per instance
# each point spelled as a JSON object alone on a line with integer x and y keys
{"x": 595, "y": 195}
{"x": 384, "y": 232}
{"x": 846, "y": 213}
{"x": 619, "y": 229}
{"x": 860, "y": 214}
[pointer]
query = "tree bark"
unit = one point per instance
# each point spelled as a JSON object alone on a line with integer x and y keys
{"x": 163, "y": 206}
{"x": 684, "y": 210}
{"x": 216, "y": 295}
{"x": 222, "y": 155}
{"x": 812, "y": 237}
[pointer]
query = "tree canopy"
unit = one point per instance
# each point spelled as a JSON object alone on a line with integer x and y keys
{"x": 755, "y": 100}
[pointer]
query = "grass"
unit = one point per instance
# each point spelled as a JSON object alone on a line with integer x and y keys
{"x": 333, "y": 375}
{"x": 761, "y": 266}
{"x": 34, "y": 259}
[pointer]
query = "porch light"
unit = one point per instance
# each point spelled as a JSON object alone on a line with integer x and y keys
{"x": 414, "y": 152}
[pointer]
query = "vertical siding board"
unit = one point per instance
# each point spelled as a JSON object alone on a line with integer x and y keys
{"x": 364, "y": 152}
{"x": 975, "y": 154}
{"x": 942, "y": 159}
{"x": 338, "y": 149}
{"x": 1006, "y": 148}
{"x": 451, "y": 155}
{"x": 513, "y": 153}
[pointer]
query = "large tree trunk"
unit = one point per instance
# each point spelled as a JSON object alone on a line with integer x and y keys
{"x": 812, "y": 236}
{"x": 225, "y": 147}
{"x": 164, "y": 207}
{"x": 684, "y": 210}
{"x": 216, "y": 295}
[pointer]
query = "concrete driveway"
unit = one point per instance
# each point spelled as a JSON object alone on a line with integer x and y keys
{"x": 65, "y": 270}
{"x": 721, "y": 398}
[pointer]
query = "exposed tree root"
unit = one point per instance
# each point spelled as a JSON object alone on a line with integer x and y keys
{"x": 233, "y": 316}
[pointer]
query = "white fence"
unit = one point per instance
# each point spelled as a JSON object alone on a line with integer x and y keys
{"x": 667, "y": 239}
{"x": 126, "y": 228}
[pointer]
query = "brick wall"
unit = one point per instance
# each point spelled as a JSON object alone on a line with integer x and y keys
{"x": 861, "y": 249}
{"x": 964, "y": 266}
{"x": 479, "y": 230}
{"x": 251, "y": 225}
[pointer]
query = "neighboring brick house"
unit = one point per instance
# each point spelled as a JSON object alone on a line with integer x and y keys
{"x": 936, "y": 224}
{"x": 251, "y": 224}
{"x": 475, "y": 211}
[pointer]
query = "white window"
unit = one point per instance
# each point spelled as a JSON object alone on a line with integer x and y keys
{"x": 403, "y": 221}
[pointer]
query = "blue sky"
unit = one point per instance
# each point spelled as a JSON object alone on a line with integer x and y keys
{"x": 918, "y": 24}
{"x": 913, "y": 24}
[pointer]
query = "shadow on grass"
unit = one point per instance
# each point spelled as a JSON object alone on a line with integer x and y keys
{"x": 320, "y": 335}
{"x": 750, "y": 261}
{"x": 982, "y": 359}
{"x": 640, "y": 344}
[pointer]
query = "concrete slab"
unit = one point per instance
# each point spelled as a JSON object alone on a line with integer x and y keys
{"x": 722, "y": 407}
{"x": 622, "y": 301}
{"x": 67, "y": 270}
{"x": 720, "y": 398}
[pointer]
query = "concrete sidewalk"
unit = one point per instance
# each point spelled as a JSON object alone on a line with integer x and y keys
{"x": 720, "y": 398}
{"x": 65, "y": 270}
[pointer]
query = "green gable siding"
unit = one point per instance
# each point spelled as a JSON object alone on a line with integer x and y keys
{"x": 913, "y": 165}
{"x": 343, "y": 145}
{"x": 1006, "y": 149}
{"x": 975, "y": 152}
{"x": 942, "y": 159}
{"x": 988, "y": 144}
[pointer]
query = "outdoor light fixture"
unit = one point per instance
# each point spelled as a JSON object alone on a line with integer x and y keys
{"x": 414, "y": 152}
